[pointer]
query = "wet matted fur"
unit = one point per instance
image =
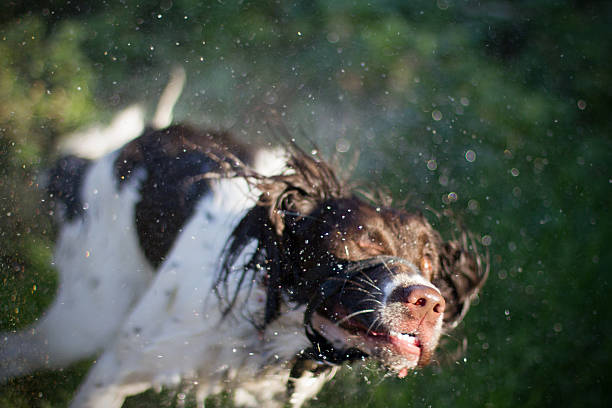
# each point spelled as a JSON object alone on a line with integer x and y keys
{"x": 187, "y": 256}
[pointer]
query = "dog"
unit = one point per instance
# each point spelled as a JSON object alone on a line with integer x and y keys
{"x": 188, "y": 256}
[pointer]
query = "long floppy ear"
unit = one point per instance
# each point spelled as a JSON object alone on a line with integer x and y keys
{"x": 284, "y": 200}
{"x": 463, "y": 271}
{"x": 286, "y": 203}
{"x": 292, "y": 196}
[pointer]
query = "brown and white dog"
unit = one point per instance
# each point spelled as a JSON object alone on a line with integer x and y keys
{"x": 187, "y": 256}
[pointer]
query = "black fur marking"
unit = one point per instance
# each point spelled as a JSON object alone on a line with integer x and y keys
{"x": 175, "y": 159}
{"x": 65, "y": 182}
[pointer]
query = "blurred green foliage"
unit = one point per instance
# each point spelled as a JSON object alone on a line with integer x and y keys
{"x": 44, "y": 88}
{"x": 494, "y": 110}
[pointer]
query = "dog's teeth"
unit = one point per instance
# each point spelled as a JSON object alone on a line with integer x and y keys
{"x": 398, "y": 334}
{"x": 403, "y": 336}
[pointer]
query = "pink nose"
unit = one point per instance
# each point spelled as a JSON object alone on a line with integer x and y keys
{"x": 423, "y": 301}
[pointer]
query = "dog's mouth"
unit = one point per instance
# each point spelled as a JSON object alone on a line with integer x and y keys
{"x": 399, "y": 352}
{"x": 353, "y": 316}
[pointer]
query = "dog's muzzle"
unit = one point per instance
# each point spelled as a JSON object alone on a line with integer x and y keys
{"x": 322, "y": 350}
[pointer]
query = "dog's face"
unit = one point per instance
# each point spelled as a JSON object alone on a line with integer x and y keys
{"x": 376, "y": 281}
{"x": 377, "y": 266}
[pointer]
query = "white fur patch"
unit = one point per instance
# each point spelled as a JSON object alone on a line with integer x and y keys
{"x": 176, "y": 330}
{"x": 102, "y": 274}
{"x": 99, "y": 140}
{"x": 406, "y": 280}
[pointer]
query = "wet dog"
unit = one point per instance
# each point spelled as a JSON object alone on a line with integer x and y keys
{"x": 188, "y": 256}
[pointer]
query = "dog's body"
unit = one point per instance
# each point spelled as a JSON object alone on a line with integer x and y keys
{"x": 188, "y": 256}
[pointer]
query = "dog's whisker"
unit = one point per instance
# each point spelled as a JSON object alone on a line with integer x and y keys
{"x": 358, "y": 289}
{"x": 374, "y": 324}
{"x": 375, "y": 287}
{"x": 364, "y": 276}
{"x": 373, "y": 300}
{"x": 345, "y": 318}
{"x": 387, "y": 268}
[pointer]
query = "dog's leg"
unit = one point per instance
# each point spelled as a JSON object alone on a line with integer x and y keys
{"x": 102, "y": 273}
{"x": 79, "y": 323}
{"x": 106, "y": 387}
{"x": 309, "y": 385}
{"x": 264, "y": 390}
{"x": 21, "y": 353}
{"x": 71, "y": 330}
{"x": 164, "y": 337}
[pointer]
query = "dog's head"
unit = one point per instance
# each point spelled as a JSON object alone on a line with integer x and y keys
{"x": 376, "y": 281}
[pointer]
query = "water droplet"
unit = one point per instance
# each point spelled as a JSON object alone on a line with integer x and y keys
{"x": 436, "y": 115}
{"x": 343, "y": 145}
{"x": 442, "y": 4}
{"x": 333, "y": 37}
{"x": 270, "y": 98}
{"x": 470, "y": 156}
{"x": 165, "y": 5}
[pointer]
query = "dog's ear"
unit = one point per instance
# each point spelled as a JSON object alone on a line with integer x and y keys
{"x": 289, "y": 206}
{"x": 462, "y": 273}
{"x": 290, "y": 197}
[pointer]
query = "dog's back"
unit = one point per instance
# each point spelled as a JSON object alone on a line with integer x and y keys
{"x": 141, "y": 236}
{"x": 119, "y": 217}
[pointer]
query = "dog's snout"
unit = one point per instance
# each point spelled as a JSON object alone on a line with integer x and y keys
{"x": 421, "y": 300}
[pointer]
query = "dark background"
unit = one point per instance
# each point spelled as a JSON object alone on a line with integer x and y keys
{"x": 417, "y": 88}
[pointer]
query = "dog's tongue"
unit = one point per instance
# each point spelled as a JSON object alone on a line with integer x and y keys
{"x": 406, "y": 344}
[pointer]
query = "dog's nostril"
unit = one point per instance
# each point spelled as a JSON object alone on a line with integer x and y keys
{"x": 422, "y": 299}
{"x": 421, "y": 302}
